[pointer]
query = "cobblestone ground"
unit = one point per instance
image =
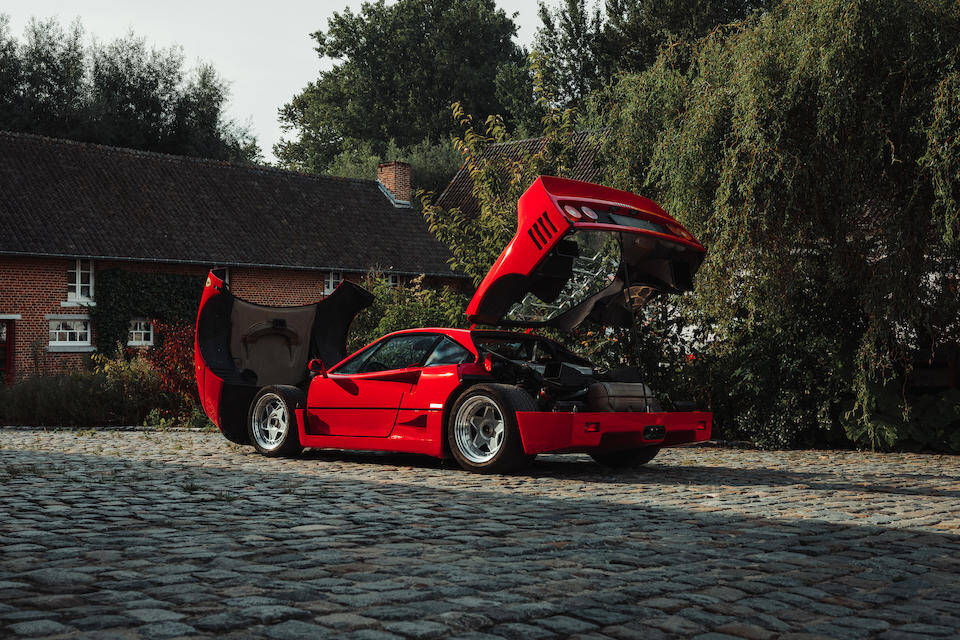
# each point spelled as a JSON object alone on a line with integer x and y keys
{"x": 157, "y": 535}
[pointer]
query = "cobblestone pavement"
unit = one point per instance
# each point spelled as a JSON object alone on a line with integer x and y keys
{"x": 157, "y": 535}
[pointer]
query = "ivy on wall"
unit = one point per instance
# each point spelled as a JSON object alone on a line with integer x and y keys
{"x": 124, "y": 295}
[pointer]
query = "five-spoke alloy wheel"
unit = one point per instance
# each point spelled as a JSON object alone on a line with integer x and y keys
{"x": 482, "y": 432}
{"x": 272, "y": 423}
{"x": 479, "y": 429}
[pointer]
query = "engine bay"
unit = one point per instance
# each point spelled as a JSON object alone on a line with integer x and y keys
{"x": 560, "y": 380}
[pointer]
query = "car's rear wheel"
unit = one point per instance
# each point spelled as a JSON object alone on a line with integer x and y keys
{"x": 482, "y": 431}
{"x": 272, "y": 421}
{"x": 626, "y": 459}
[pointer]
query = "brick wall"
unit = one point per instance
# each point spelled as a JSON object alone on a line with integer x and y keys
{"x": 278, "y": 287}
{"x": 36, "y": 287}
{"x": 33, "y": 288}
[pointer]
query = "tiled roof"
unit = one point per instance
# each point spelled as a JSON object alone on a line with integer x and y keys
{"x": 62, "y": 198}
{"x": 459, "y": 193}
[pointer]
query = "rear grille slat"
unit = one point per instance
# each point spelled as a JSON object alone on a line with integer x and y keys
{"x": 539, "y": 233}
{"x": 549, "y": 221}
{"x": 530, "y": 231}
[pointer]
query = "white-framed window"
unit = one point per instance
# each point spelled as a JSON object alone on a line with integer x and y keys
{"x": 74, "y": 332}
{"x": 80, "y": 281}
{"x": 140, "y": 333}
{"x": 331, "y": 281}
{"x": 394, "y": 280}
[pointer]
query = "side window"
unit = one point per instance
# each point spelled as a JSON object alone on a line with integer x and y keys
{"x": 448, "y": 352}
{"x": 353, "y": 365}
{"x": 400, "y": 352}
{"x": 140, "y": 333}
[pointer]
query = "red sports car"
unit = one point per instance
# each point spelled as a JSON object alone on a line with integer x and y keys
{"x": 278, "y": 378}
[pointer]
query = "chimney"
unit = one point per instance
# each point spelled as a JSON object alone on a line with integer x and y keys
{"x": 395, "y": 178}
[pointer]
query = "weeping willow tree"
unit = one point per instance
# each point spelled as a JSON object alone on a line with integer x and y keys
{"x": 814, "y": 149}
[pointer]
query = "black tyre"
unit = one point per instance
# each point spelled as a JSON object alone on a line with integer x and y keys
{"x": 626, "y": 459}
{"x": 482, "y": 431}
{"x": 272, "y": 421}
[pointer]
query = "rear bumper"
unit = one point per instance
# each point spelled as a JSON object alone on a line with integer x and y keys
{"x": 542, "y": 432}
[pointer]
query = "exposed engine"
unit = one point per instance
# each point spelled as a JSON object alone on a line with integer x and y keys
{"x": 560, "y": 380}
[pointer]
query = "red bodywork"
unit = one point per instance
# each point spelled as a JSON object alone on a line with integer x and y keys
{"x": 542, "y": 223}
{"x": 405, "y": 409}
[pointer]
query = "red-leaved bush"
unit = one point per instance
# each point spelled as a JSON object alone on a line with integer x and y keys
{"x": 172, "y": 357}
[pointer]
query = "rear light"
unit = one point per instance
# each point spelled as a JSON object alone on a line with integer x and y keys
{"x": 590, "y": 213}
{"x": 487, "y": 363}
{"x": 677, "y": 230}
{"x": 592, "y": 427}
{"x": 701, "y": 426}
{"x": 572, "y": 212}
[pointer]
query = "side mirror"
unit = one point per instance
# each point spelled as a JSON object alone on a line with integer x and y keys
{"x": 316, "y": 366}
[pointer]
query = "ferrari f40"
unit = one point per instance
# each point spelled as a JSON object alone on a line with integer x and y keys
{"x": 279, "y": 378}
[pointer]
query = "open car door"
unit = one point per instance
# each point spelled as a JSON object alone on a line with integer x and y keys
{"x": 584, "y": 252}
{"x": 241, "y": 347}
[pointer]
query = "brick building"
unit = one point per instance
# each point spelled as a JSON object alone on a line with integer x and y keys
{"x": 69, "y": 210}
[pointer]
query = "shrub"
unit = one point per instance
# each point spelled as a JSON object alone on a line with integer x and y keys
{"x": 172, "y": 358}
{"x": 118, "y": 390}
{"x": 154, "y": 387}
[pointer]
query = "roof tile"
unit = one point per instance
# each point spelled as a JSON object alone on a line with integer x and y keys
{"x": 66, "y": 198}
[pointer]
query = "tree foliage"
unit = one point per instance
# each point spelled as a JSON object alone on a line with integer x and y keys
{"x": 499, "y": 179}
{"x": 398, "y": 69}
{"x": 119, "y": 93}
{"x": 431, "y": 164}
{"x": 813, "y": 149}
{"x": 406, "y": 306}
{"x": 586, "y": 47}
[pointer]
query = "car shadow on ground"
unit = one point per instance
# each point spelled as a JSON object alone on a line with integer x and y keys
{"x": 582, "y": 468}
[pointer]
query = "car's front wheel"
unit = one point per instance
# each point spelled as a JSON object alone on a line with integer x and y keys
{"x": 272, "y": 421}
{"x": 626, "y": 459}
{"x": 482, "y": 431}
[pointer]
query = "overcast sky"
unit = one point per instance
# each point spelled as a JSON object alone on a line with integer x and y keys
{"x": 262, "y": 48}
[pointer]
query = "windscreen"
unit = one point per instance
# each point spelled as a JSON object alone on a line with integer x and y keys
{"x": 580, "y": 266}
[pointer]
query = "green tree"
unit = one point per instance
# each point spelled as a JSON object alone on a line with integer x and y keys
{"x": 499, "y": 180}
{"x": 406, "y": 306}
{"x": 120, "y": 93}
{"x": 813, "y": 149}
{"x": 398, "y": 69}
{"x": 585, "y": 47}
{"x": 570, "y": 38}
{"x": 431, "y": 164}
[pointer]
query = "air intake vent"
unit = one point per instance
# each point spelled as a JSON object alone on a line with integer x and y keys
{"x": 532, "y": 237}
{"x": 542, "y": 230}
